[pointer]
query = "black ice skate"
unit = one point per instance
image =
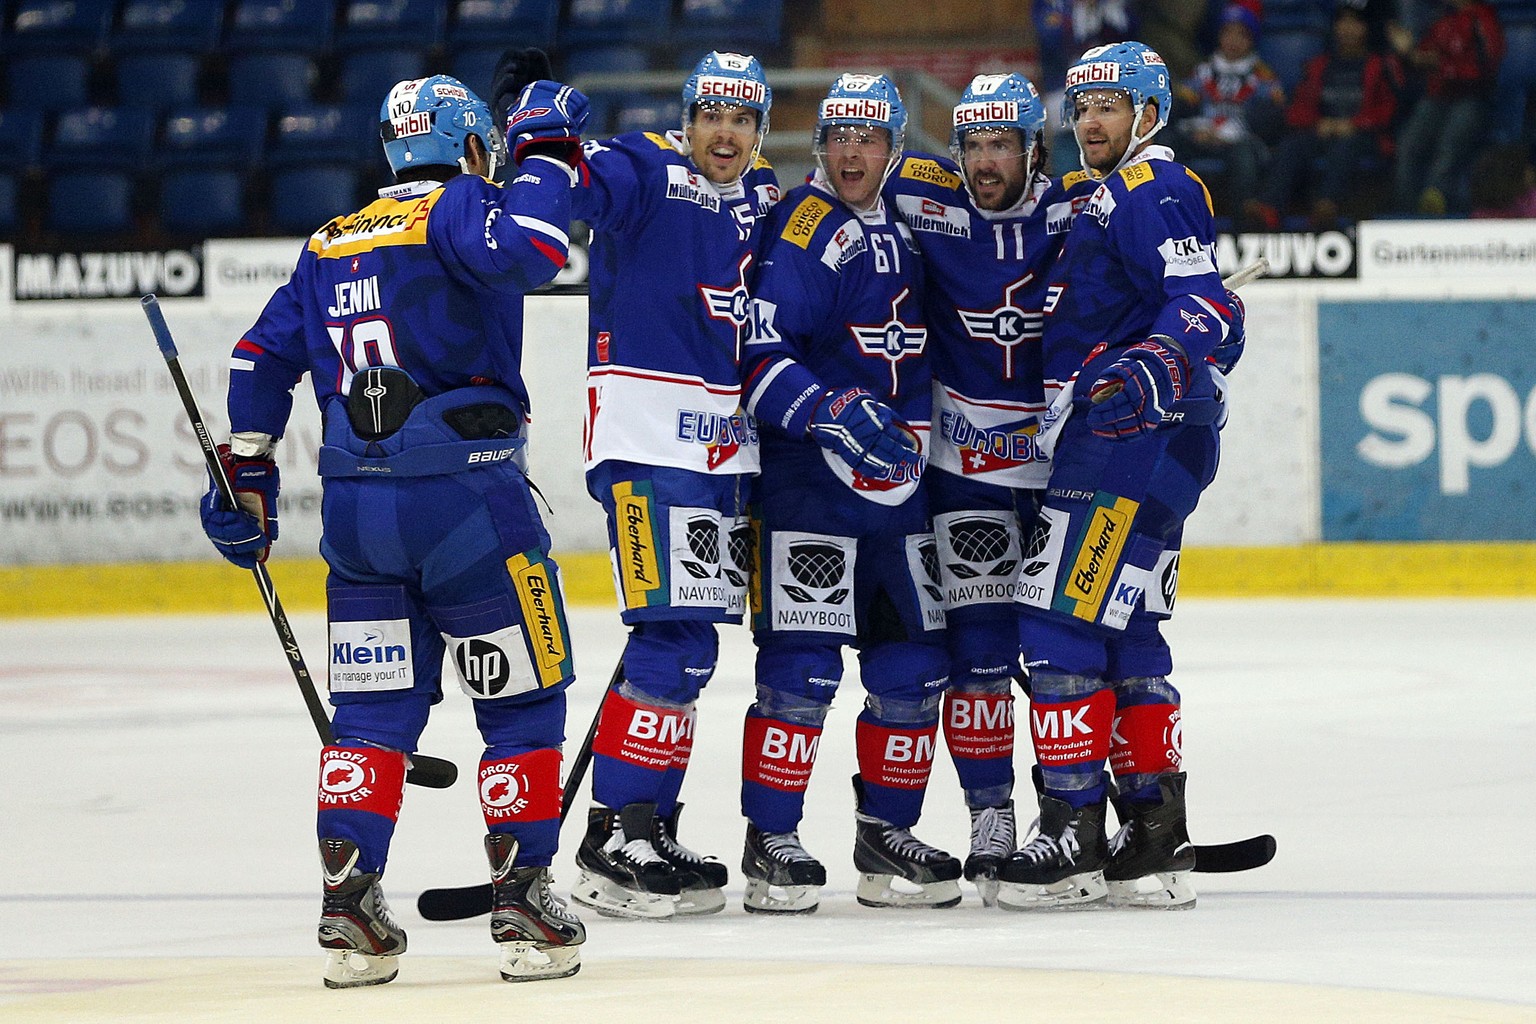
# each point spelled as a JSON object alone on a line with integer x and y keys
{"x": 622, "y": 875}
{"x": 701, "y": 878}
{"x": 782, "y": 878}
{"x": 356, "y": 927}
{"x": 885, "y": 853}
{"x": 1151, "y": 857}
{"x": 994, "y": 835}
{"x": 1061, "y": 865}
{"x": 539, "y": 936}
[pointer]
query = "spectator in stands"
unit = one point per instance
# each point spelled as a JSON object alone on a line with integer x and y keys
{"x": 1340, "y": 116}
{"x": 1504, "y": 183}
{"x": 1459, "y": 58}
{"x": 1063, "y": 30}
{"x": 1236, "y": 104}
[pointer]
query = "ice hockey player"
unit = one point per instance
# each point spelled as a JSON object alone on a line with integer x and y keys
{"x": 1134, "y": 309}
{"x": 408, "y": 317}
{"x": 990, "y": 223}
{"x": 669, "y": 453}
{"x": 838, "y": 379}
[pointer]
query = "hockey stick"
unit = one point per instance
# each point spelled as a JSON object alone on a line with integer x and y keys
{"x": 431, "y": 772}
{"x": 456, "y": 904}
{"x": 1242, "y": 855}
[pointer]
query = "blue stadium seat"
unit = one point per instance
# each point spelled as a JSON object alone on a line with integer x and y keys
{"x": 271, "y": 80}
{"x": 642, "y": 113}
{"x": 325, "y": 133}
{"x": 606, "y": 60}
{"x": 475, "y": 66}
{"x": 157, "y": 26}
{"x": 203, "y": 202}
{"x": 22, "y": 130}
{"x": 48, "y": 81}
{"x": 157, "y": 80}
{"x": 100, "y": 137}
{"x": 10, "y": 209}
{"x": 49, "y": 26}
{"x": 368, "y": 75}
{"x": 498, "y": 24}
{"x": 370, "y": 24}
{"x": 304, "y": 198}
{"x": 1517, "y": 83}
{"x": 303, "y": 25}
{"x": 227, "y": 137}
{"x": 90, "y": 203}
{"x": 1288, "y": 50}
{"x": 604, "y": 22}
{"x": 745, "y": 26}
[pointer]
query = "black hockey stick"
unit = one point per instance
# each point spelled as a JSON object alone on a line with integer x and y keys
{"x": 1242, "y": 855}
{"x": 431, "y": 772}
{"x": 456, "y": 904}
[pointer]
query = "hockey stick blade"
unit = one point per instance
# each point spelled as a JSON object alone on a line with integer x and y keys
{"x": 1223, "y": 858}
{"x": 458, "y": 904}
{"x": 431, "y": 772}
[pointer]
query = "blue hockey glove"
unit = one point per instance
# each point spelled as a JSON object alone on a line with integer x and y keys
{"x": 547, "y": 120}
{"x": 1134, "y": 395}
{"x": 862, "y": 432}
{"x": 1225, "y": 355}
{"x": 243, "y": 535}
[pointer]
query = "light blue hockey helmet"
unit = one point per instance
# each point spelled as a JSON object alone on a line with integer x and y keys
{"x": 998, "y": 102}
{"x": 729, "y": 78}
{"x": 425, "y": 122}
{"x": 868, "y": 100}
{"x": 1129, "y": 67}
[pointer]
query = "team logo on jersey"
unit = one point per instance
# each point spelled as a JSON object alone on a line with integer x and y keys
{"x": 1194, "y": 321}
{"x": 893, "y": 340}
{"x": 731, "y": 305}
{"x": 1006, "y": 326}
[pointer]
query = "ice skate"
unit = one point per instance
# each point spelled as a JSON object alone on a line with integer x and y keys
{"x": 1151, "y": 857}
{"x": 994, "y": 835}
{"x": 782, "y": 878}
{"x": 622, "y": 875}
{"x": 1061, "y": 864}
{"x": 538, "y": 935}
{"x": 357, "y": 930}
{"x": 702, "y": 879}
{"x": 897, "y": 869}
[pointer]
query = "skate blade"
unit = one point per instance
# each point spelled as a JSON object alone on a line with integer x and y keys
{"x": 1166, "y": 890}
{"x": 531, "y": 961}
{"x": 613, "y": 900}
{"x": 986, "y": 888}
{"x": 348, "y": 968}
{"x": 879, "y": 890}
{"x": 762, "y": 898}
{"x": 698, "y": 902}
{"x": 1075, "y": 892}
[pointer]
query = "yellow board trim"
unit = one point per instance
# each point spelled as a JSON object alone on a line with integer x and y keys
{"x": 1306, "y": 570}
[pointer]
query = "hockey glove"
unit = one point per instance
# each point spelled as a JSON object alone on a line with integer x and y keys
{"x": 517, "y": 69}
{"x": 547, "y": 121}
{"x": 1225, "y": 355}
{"x": 862, "y": 432}
{"x": 1135, "y": 394}
{"x": 243, "y": 535}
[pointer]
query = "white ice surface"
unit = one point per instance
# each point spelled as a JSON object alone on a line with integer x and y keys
{"x": 159, "y": 799}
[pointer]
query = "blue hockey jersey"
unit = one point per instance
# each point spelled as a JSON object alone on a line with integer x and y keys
{"x": 987, "y": 276}
{"x": 837, "y": 302}
{"x": 429, "y": 278}
{"x": 1140, "y": 260}
{"x": 671, "y": 256}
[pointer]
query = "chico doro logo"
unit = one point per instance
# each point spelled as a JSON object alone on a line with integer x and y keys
{"x": 1477, "y": 421}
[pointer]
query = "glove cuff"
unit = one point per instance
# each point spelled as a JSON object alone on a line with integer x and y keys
{"x": 251, "y": 444}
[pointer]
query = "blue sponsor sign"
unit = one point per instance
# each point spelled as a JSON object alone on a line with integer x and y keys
{"x": 1428, "y": 416}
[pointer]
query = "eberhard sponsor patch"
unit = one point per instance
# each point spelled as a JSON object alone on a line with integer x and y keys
{"x": 803, "y": 222}
{"x": 543, "y": 616}
{"x": 1097, "y": 556}
{"x": 641, "y": 573}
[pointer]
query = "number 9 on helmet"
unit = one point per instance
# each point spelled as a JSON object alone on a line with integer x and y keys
{"x": 426, "y": 122}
